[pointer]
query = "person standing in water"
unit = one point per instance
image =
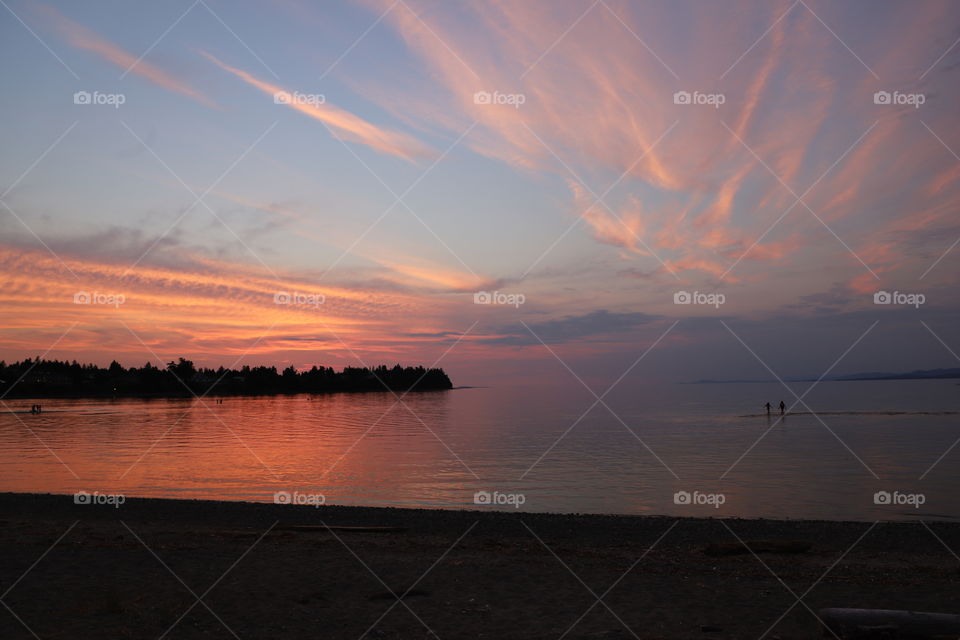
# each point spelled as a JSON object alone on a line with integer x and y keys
{"x": 767, "y": 407}
{"x": 782, "y": 407}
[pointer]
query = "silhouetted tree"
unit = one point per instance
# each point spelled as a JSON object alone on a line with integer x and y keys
{"x": 44, "y": 378}
{"x": 183, "y": 369}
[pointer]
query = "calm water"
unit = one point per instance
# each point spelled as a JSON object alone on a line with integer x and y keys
{"x": 442, "y": 447}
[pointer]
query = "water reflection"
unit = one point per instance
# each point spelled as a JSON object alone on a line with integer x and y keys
{"x": 438, "y": 449}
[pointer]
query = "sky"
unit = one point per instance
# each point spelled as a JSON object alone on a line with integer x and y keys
{"x": 514, "y": 191}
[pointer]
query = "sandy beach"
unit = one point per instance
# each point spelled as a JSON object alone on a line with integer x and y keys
{"x": 195, "y": 569}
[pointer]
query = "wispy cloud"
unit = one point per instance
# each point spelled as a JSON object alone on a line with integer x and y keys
{"x": 710, "y": 194}
{"x": 348, "y": 125}
{"x": 210, "y": 306}
{"x": 85, "y": 38}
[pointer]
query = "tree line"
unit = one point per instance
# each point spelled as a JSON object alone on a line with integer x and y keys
{"x": 37, "y": 378}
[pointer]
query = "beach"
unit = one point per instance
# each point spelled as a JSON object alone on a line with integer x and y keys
{"x": 203, "y": 569}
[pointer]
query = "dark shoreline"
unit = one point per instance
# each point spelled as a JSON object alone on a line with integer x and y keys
{"x": 223, "y": 394}
{"x": 186, "y": 509}
{"x": 283, "y": 571}
{"x": 53, "y": 378}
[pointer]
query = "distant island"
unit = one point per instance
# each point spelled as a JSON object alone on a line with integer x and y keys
{"x": 919, "y": 374}
{"x": 52, "y": 378}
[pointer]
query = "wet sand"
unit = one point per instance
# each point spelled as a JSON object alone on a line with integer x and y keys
{"x": 197, "y": 569}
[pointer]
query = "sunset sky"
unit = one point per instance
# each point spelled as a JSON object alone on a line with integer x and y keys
{"x": 347, "y": 153}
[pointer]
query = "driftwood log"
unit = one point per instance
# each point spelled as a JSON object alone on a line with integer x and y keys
{"x": 869, "y": 624}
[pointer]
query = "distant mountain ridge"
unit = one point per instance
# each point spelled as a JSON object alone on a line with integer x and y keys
{"x": 918, "y": 374}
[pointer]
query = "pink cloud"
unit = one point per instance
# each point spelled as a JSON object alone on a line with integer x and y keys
{"x": 84, "y": 38}
{"x": 348, "y": 125}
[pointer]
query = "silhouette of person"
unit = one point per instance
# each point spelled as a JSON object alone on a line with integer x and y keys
{"x": 782, "y": 407}
{"x": 767, "y": 407}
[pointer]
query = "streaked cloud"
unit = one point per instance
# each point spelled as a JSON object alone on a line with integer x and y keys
{"x": 703, "y": 197}
{"x": 798, "y": 196}
{"x": 85, "y": 38}
{"x": 345, "y": 124}
{"x": 213, "y": 306}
